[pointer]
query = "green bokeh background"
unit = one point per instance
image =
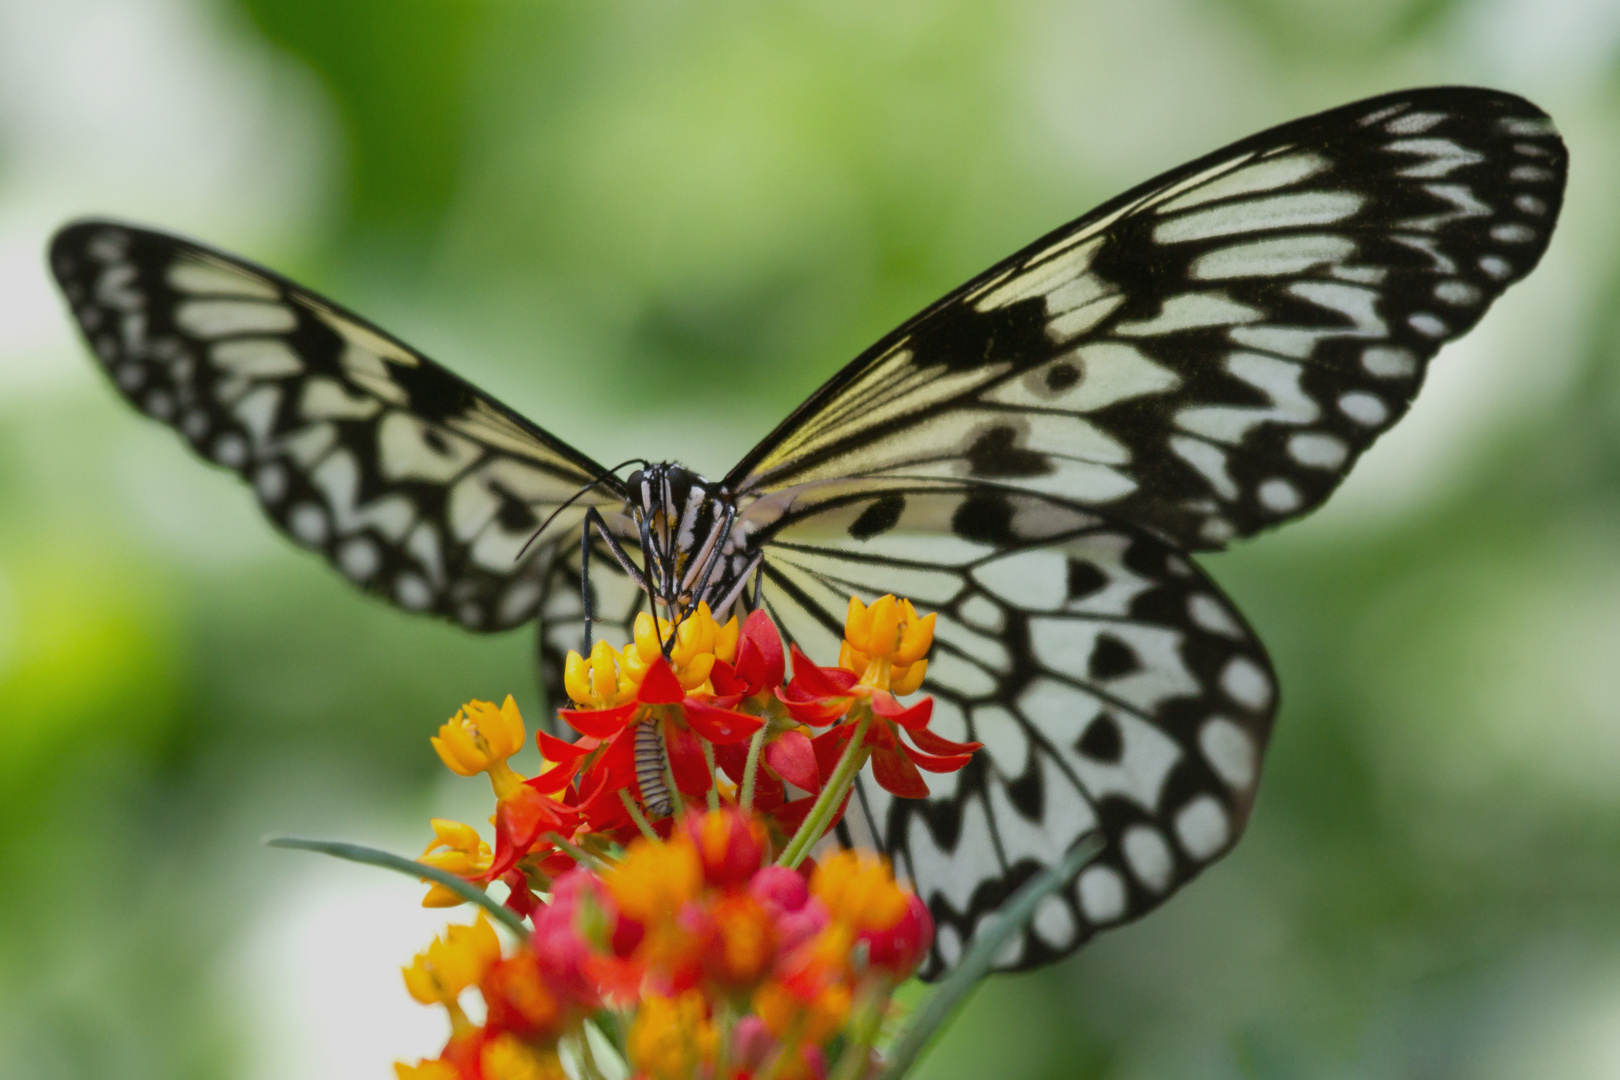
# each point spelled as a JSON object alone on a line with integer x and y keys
{"x": 654, "y": 227}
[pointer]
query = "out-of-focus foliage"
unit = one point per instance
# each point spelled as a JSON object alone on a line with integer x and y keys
{"x": 654, "y": 228}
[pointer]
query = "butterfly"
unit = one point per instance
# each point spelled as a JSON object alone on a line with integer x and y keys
{"x": 1034, "y": 457}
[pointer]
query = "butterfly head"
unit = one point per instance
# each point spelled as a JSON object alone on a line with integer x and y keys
{"x": 686, "y": 525}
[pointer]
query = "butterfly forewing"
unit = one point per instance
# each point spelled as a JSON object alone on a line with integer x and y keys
{"x": 1112, "y": 684}
{"x": 412, "y": 482}
{"x": 1206, "y": 355}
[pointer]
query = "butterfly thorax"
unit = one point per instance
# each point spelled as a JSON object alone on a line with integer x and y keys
{"x": 691, "y": 550}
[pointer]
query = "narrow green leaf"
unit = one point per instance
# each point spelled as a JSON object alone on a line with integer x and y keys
{"x": 981, "y": 956}
{"x": 389, "y": 861}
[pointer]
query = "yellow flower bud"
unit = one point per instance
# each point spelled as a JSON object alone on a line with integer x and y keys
{"x": 916, "y": 635}
{"x": 426, "y": 1070}
{"x": 858, "y": 626}
{"x": 452, "y": 962}
{"x": 883, "y": 629}
{"x": 480, "y": 736}
{"x": 577, "y": 678}
{"x": 906, "y": 680}
{"x": 725, "y": 640}
{"x": 648, "y": 645}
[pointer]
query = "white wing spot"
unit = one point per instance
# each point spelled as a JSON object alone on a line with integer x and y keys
{"x": 308, "y": 524}
{"x": 1257, "y": 215}
{"x": 359, "y": 558}
{"x": 1428, "y": 325}
{"x": 412, "y": 592}
{"x": 1364, "y": 408}
{"x": 270, "y": 481}
{"x": 1188, "y": 311}
{"x": 1209, "y": 460}
{"x": 231, "y": 449}
{"x": 130, "y": 376}
{"x": 1511, "y": 232}
{"x": 195, "y": 424}
{"x": 160, "y": 404}
{"x": 1054, "y": 922}
{"x": 1267, "y": 174}
{"x": 1230, "y": 751}
{"x": 1273, "y": 257}
{"x": 1317, "y": 450}
{"x": 1415, "y": 123}
{"x": 1279, "y": 496}
{"x": 1530, "y": 204}
{"x": 221, "y": 318}
{"x": 1210, "y": 614}
{"x": 1442, "y": 156}
{"x": 1148, "y": 856}
{"x": 1246, "y": 683}
{"x": 1202, "y": 827}
{"x": 1496, "y": 266}
{"x": 983, "y": 613}
{"x": 192, "y": 274}
{"x": 256, "y": 358}
{"x": 1102, "y": 894}
{"x": 1529, "y": 174}
{"x": 1457, "y": 293}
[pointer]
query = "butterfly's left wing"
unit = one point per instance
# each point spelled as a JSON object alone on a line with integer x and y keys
{"x": 416, "y": 485}
{"x": 1113, "y": 686}
{"x": 1207, "y": 354}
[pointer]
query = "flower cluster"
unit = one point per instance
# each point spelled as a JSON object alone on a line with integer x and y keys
{"x": 657, "y": 869}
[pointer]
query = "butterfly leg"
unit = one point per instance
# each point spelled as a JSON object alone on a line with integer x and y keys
{"x": 593, "y": 520}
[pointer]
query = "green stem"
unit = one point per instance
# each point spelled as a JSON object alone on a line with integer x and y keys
{"x": 714, "y": 777}
{"x": 832, "y": 793}
{"x": 863, "y": 1032}
{"x": 389, "y": 861}
{"x": 637, "y": 816}
{"x": 981, "y": 954}
{"x": 575, "y": 852}
{"x": 756, "y": 747}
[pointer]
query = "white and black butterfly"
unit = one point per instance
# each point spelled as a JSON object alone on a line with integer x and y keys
{"x": 1033, "y": 457}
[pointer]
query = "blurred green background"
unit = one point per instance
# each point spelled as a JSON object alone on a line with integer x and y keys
{"x": 654, "y": 227}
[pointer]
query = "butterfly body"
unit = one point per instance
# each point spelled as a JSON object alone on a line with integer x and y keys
{"x": 1034, "y": 457}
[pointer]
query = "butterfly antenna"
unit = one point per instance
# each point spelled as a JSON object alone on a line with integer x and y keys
{"x": 603, "y": 475}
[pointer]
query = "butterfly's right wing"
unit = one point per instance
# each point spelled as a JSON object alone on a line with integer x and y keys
{"x": 417, "y": 486}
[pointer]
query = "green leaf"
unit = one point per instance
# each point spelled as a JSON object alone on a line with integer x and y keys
{"x": 389, "y": 861}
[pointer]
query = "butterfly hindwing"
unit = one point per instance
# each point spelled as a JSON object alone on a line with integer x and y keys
{"x": 413, "y": 483}
{"x": 1207, "y": 354}
{"x": 1112, "y": 684}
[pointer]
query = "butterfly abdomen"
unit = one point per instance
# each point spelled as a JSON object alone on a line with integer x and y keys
{"x": 650, "y": 769}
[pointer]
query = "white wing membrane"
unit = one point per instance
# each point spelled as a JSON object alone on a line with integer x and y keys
{"x": 1207, "y": 354}
{"x": 414, "y": 484}
{"x": 1113, "y": 686}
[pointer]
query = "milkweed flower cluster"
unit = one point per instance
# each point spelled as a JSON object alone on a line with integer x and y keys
{"x": 657, "y": 870}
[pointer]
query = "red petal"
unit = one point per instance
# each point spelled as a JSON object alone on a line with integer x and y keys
{"x": 720, "y": 726}
{"x": 758, "y": 632}
{"x": 733, "y": 760}
{"x": 554, "y": 779}
{"x": 829, "y": 747}
{"x": 944, "y": 764}
{"x": 599, "y": 723}
{"x": 660, "y": 687}
{"x": 794, "y": 760}
{"x": 820, "y": 681}
{"x": 817, "y": 712}
{"x": 727, "y": 680}
{"x": 931, "y": 743}
{"x": 897, "y": 774}
{"x": 686, "y": 760}
{"x": 555, "y": 749}
{"x": 910, "y": 717}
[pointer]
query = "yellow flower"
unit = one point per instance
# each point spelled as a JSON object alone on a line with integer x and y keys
{"x": 465, "y": 853}
{"x": 655, "y": 878}
{"x": 859, "y": 891}
{"x": 454, "y": 961}
{"x": 671, "y": 1036}
{"x": 426, "y": 1070}
{"x": 886, "y": 644}
{"x": 480, "y": 737}
{"x": 605, "y": 680}
{"x": 507, "y": 1057}
{"x": 699, "y": 642}
{"x": 814, "y": 1021}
